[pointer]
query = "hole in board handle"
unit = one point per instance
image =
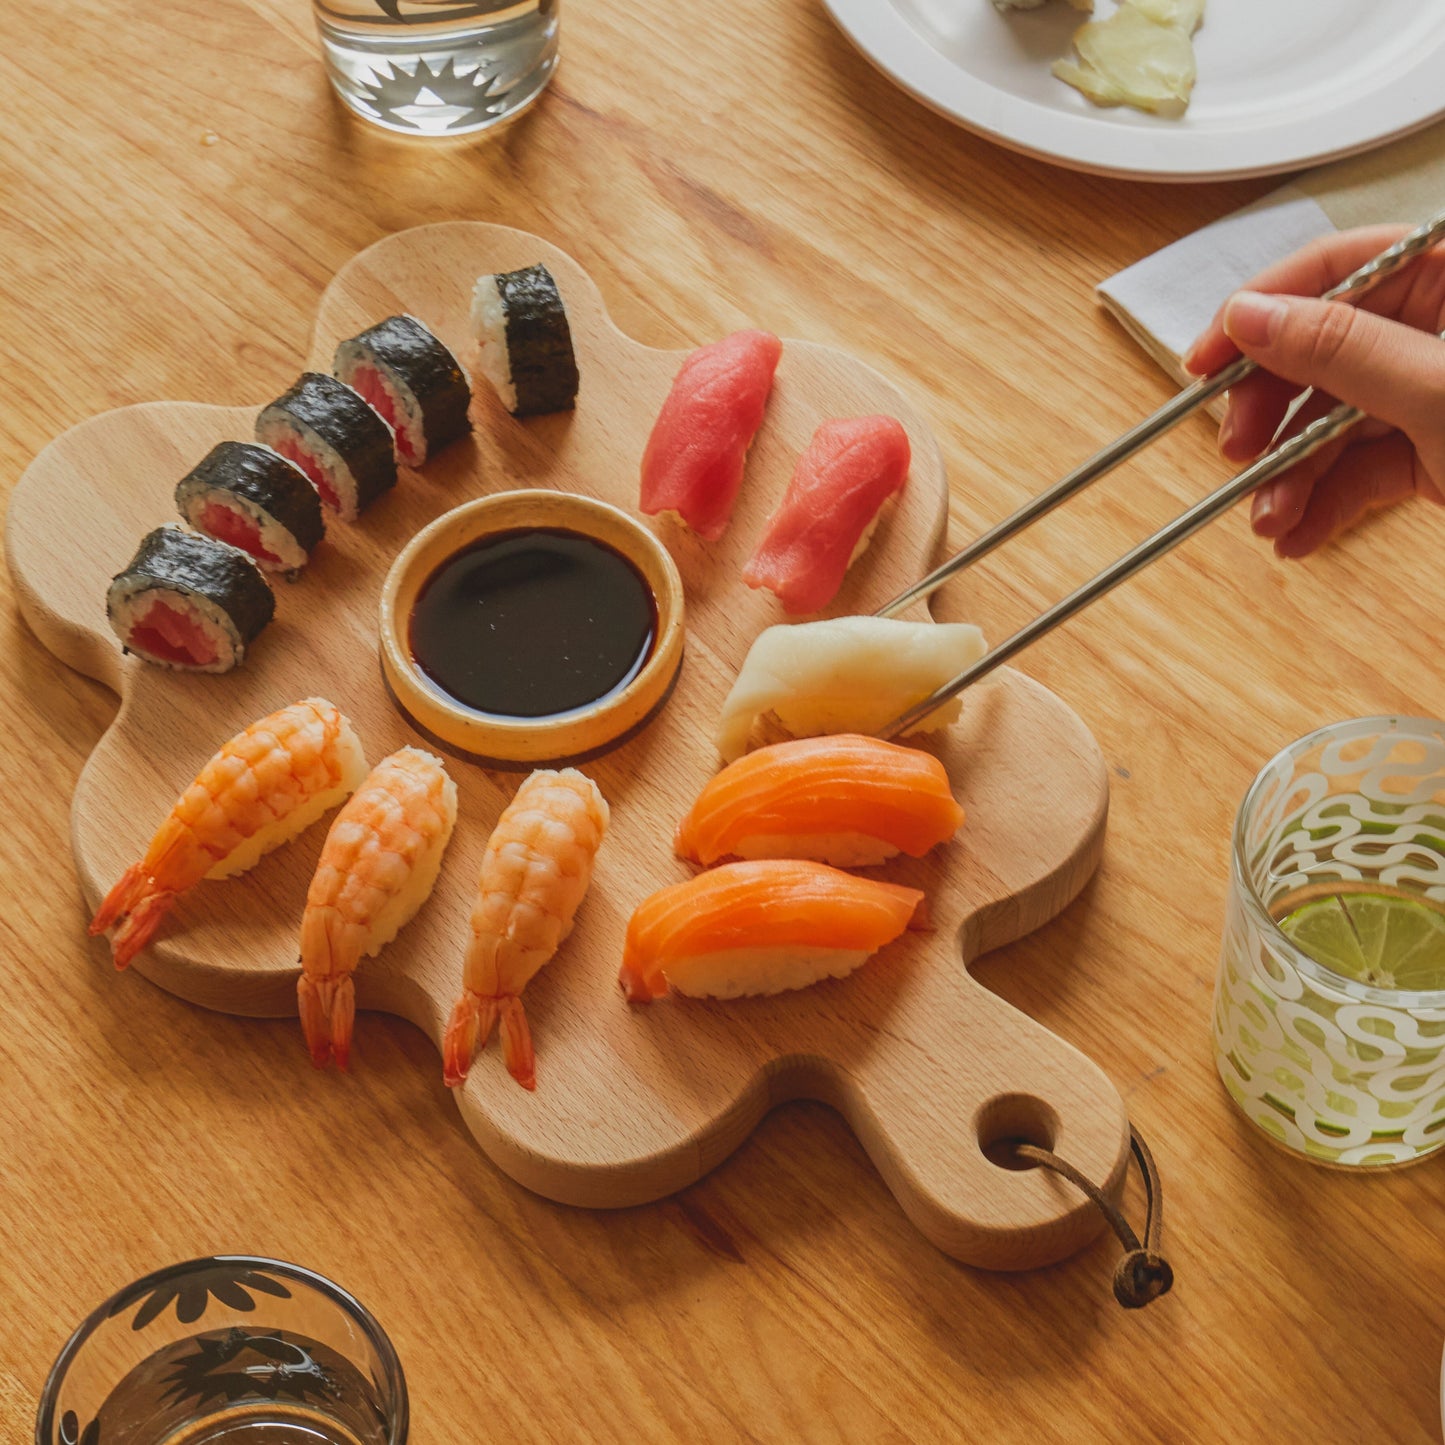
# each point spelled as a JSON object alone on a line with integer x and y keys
{"x": 1010, "y": 1119}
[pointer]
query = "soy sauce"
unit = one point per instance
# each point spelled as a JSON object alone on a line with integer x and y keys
{"x": 533, "y": 623}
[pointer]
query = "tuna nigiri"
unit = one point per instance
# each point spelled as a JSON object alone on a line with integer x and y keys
{"x": 762, "y": 927}
{"x": 851, "y": 801}
{"x": 851, "y": 467}
{"x": 693, "y": 464}
{"x": 845, "y": 675}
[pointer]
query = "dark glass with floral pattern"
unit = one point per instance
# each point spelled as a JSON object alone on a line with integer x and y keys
{"x": 226, "y": 1348}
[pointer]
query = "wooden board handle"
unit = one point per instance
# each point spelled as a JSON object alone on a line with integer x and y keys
{"x": 963, "y": 1071}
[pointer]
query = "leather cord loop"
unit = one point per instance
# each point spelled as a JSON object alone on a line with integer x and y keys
{"x": 1143, "y": 1274}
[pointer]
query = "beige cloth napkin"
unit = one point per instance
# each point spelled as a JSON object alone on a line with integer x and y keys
{"x": 1165, "y": 300}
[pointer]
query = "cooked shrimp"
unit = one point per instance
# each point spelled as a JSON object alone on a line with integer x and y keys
{"x": 266, "y": 785}
{"x": 378, "y": 866}
{"x": 535, "y": 872}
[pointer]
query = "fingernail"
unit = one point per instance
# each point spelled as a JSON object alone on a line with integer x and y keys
{"x": 1252, "y": 318}
{"x": 1187, "y": 360}
{"x": 1264, "y": 509}
{"x": 1226, "y": 433}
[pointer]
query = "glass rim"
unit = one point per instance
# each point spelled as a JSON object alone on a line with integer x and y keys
{"x": 1255, "y": 905}
{"x": 395, "y": 1378}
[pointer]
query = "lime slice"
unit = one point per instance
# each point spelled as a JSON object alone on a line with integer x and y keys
{"x": 1376, "y": 938}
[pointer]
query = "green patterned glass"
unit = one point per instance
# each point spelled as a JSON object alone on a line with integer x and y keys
{"x": 1338, "y": 1069}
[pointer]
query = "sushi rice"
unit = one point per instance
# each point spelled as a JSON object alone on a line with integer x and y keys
{"x": 279, "y": 541}
{"x": 131, "y": 600}
{"x": 361, "y": 370}
{"x": 189, "y": 602}
{"x": 346, "y": 449}
{"x": 525, "y": 340}
{"x": 489, "y": 323}
{"x": 324, "y": 466}
{"x": 409, "y": 377}
{"x": 759, "y": 972}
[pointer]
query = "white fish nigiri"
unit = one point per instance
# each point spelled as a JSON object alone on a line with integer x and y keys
{"x": 845, "y": 675}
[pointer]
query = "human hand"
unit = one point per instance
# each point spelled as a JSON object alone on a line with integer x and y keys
{"x": 1381, "y": 355}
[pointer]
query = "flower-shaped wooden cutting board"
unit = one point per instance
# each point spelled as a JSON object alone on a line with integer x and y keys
{"x": 632, "y": 1102}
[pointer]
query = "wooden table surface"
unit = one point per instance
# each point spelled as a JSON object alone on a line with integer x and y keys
{"x": 177, "y": 187}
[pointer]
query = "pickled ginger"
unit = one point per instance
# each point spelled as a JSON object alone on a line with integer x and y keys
{"x": 1142, "y": 55}
{"x": 845, "y": 675}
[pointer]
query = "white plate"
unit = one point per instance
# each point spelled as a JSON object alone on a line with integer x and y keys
{"x": 1282, "y": 83}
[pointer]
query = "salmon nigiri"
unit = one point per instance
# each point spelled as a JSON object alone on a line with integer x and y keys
{"x": 760, "y": 927}
{"x": 825, "y": 521}
{"x": 693, "y": 464}
{"x": 848, "y": 800}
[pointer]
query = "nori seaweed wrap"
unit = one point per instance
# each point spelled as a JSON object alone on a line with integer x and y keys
{"x": 526, "y": 342}
{"x": 189, "y": 602}
{"x": 336, "y": 438}
{"x": 412, "y": 380}
{"x": 254, "y": 499}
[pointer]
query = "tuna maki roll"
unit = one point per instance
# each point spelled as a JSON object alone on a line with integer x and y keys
{"x": 187, "y": 601}
{"x": 335, "y": 438}
{"x": 255, "y": 500}
{"x": 521, "y": 326}
{"x": 412, "y": 380}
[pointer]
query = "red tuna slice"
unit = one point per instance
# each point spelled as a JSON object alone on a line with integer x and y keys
{"x": 173, "y": 637}
{"x": 369, "y": 384}
{"x": 846, "y": 473}
{"x": 693, "y": 464}
{"x": 226, "y": 524}
{"x": 315, "y": 472}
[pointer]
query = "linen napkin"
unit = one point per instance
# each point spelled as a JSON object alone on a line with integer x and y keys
{"x": 1166, "y": 300}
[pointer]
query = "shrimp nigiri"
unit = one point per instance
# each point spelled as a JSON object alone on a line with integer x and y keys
{"x": 269, "y": 783}
{"x": 378, "y": 866}
{"x": 847, "y": 800}
{"x": 761, "y": 927}
{"x": 852, "y": 466}
{"x": 693, "y": 464}
{"x": 535, "y": 872}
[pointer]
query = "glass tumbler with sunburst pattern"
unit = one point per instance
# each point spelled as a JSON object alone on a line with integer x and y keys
{"x": 438, "y": 67}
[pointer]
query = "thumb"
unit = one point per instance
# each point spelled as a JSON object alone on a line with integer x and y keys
{"x": 1388, "y": 370}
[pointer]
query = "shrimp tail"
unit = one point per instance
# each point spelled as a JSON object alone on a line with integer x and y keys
{"x": 327, "y": 1006}
{"x": 467, "y": 1030}
{"x": 517, "y": 1043}
{"x": 134, "y": 908}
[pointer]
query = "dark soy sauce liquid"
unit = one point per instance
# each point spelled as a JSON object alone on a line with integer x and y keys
{"x": 533, "y": 623}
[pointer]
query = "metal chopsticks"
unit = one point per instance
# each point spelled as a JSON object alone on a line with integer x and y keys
{"x": 1168, "y": 416}
{"x": 1299, "y": 446}
{"x": 1325, "y": 429}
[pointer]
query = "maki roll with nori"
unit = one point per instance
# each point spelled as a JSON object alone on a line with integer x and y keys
{"x": 412, "y": 380}
{"x": 189, "y": 602}
{"x": 341, "y": 444}
{"x": 526, "y": 343}
{"x": 255, "y": 500}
